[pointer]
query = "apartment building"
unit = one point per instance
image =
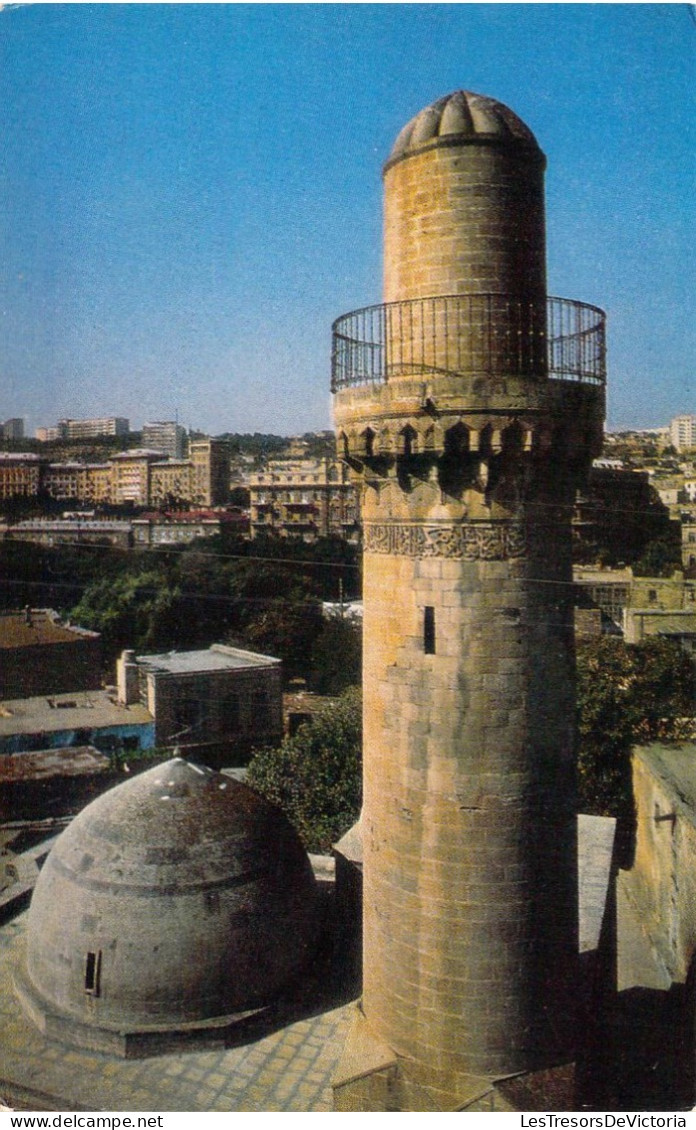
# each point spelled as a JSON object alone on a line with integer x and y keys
{"x": 20, "y": 474}
{"x": 139, "y": 476}
{"x": 130, "y": 476}
{"x": 682, "y": 432}
{"x": 12, "y": 428}
{"x": 170, "y": 481}
{"x": 99, "y": 426}
{"x": 306, "y": 498}
{"x": 210, "y": 472}
{"x": 166, "y": 436}
{"x": 62, "y": 480}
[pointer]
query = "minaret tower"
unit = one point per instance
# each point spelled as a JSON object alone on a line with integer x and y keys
{"x": 469, "y": 405}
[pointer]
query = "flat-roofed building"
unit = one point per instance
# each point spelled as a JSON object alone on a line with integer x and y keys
{"x": 305, "y": 498}
{"x": 682, "y": 432}
{"x": 12, "y": 428}
{"x": 62, "y": 480}
{"x": 75, "y": 718}
{"x": 178, "y": 528}
{"x": 39, "y": 654}
{"x": 97, "y": 426}
{"x": 95, "y": 480}
{"x": 210, "y": 472}
{"x": 130, "y": 476}
{"x": 78, "y": 529}
{"x": 217, "y": 703}
{"x": 51, "y": 783}
{"x": 20, "y": 474}
{"x": 170, "y": 482}
{"x": 166, "y": 436}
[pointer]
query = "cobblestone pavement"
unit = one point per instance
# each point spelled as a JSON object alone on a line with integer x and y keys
{"x": 286, "y": 1070}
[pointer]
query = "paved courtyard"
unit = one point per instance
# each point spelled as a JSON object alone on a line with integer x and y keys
{"x": 287, "y": 1066}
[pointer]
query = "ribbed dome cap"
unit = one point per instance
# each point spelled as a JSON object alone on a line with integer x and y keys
{"x": 461, "y": 115}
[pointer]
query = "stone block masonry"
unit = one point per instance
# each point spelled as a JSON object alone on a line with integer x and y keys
{"x": 467, "y": 456}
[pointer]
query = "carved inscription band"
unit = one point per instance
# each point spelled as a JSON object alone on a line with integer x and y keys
{"x": 480, "y": 541}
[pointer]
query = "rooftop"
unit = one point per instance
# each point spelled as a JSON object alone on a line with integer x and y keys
{"x": 81, "y": 710}
{"x": 219, "y": 657}
{"x": 284, "y": 1065}
{"x": 37, "y": 627}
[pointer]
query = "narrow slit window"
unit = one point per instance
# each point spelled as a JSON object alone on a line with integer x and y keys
{"x": 93, "y": 973}
{"x": 429, "y": 630}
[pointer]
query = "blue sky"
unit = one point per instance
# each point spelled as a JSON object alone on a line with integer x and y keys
{"x": 190, "y": 194}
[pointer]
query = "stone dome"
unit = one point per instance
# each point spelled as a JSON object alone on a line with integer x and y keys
{"x": 461, "y": 117}
{"x": 176, "y": 897}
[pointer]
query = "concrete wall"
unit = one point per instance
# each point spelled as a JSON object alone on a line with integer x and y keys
{"x": 241, "y": 707}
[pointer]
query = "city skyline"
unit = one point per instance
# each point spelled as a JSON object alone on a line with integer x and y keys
{"x": 191, "y": 196}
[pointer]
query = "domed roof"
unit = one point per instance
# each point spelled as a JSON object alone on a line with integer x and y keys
{"x": 462, "y": 116}
{"x": 177, "y": 896}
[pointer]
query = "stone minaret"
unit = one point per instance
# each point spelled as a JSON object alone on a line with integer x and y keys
{"x": 469, "y": 406}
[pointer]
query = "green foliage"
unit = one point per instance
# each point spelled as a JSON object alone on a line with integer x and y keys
{"x": 130, "y": 610}
{"x": 627, "y": 695}
{"x": 337, "y": 657}
{"x": 315, "y": 776}
{"x": 264, "y": 596}
{"x": 660, "y": 558}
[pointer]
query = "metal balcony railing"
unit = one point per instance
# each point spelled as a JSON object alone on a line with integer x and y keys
{"x": 469, "y": 334}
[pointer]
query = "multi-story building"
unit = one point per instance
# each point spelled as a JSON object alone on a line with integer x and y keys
{"x": 130, "y": 476}
{"x": 682, "y": 432}
{"x": 84, "y": 482}
{"x": 210, "y": 472}
{"x": 166, "y": 436}
{"x": 170, "y": 482}
{"x": 306, "y": 498}
{"x": 641, "y": 606}
{"x": 94, "y": 482}
{"x": 12, "y": 428}
{"x": 49, "y": 435}
{"x": 177, "y": 529}
{"x": 139, "y": 476}
{"x": 100, "y": 426}
{"x": 62, "y": 480}
{"x": 82, "y": 529}
{"x": 20, "y": 474}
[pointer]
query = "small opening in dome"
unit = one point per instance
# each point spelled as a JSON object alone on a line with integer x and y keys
{"x": 93, "y": 973}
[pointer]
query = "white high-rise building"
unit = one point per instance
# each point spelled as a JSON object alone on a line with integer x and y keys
{"x": 682, "y": 432}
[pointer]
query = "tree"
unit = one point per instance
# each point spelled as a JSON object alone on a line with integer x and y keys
{"x": 337, "y": 656}
{"x": 660, "y": 558}
{"x": 132, "y": 609}
{"x": 315, "y": 776}
{"x": 628, "y": 694}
